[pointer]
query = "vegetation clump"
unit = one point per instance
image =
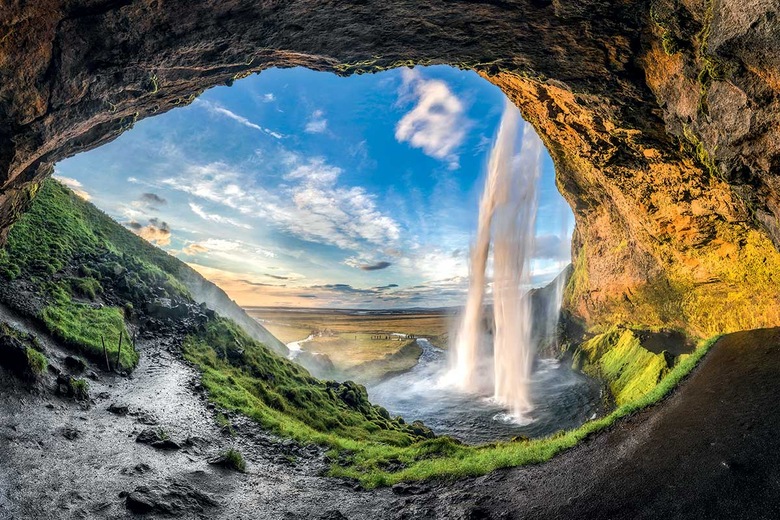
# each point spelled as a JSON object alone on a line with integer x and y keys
{"x": 230, "y": 459}
{"x": 63, "y": 243}
{"x": 20, "y": 353}
{"x": 67, "y": 250}
{"x": 79, "y": 388}
{"x": 36, "y": 361}
{"x": 630, "y": 370}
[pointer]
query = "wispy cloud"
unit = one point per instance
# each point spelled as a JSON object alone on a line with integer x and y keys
{"x": 437, "y": 123}
{"x": 313, "y": 206}
{"x": 214, "y": 217}
{"x": 317, "y": 123}
{"x": 375, "y": 267}
{"x": 222, "y": 111}
{"x": 269, "y": 97}
{"x": 194, "y": 249}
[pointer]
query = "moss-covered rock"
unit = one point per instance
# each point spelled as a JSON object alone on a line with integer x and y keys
{"x": 630, "y": 370}
{"x": 21, "y": 354}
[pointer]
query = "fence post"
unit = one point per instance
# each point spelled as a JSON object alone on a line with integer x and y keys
{"x": 105, "y": 353}
{"x": 119, "y": 351}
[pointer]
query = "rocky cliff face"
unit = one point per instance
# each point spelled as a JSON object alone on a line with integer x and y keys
{"x": 661, "y": 116}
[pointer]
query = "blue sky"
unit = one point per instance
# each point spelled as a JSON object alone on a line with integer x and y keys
{"x": 295, "y": 187}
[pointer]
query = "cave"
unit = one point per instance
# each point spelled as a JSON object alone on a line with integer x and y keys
{"x": 661, "y": 117}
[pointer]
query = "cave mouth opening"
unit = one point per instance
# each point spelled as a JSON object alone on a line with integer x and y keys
{"x": 295, "y": 188}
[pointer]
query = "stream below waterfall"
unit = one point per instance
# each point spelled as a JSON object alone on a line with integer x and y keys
{"x": 562, "y": 398}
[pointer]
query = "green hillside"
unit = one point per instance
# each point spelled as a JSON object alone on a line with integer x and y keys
{"x": 88, "y": 280}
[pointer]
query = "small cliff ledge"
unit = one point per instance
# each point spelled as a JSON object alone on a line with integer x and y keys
{"x": 661, "y": 116}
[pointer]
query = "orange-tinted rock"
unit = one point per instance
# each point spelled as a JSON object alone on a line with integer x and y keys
{"x": 663, "y": 117}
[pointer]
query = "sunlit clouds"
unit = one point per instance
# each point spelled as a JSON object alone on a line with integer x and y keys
{"x": 296, "y": 188}
{"x": 74, "y": 185}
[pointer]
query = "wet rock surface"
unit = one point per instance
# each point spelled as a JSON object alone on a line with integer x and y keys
{"x": 709, "y": 451}
{"x": 661, "y": 116}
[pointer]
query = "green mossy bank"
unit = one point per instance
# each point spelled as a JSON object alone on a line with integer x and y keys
{"x": 93, "y": 279}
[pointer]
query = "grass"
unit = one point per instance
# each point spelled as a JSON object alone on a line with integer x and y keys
{"x": 242, "y": 375}
{"x": 87, "y": 287}
{"x": 366, "y": 444}
{"x": 36, "y": 361}
{"x": 234, "y": 460}
{"x": 66, "y": 248}
{"x": 85, "y": 328}
{"x": 79, "y": 388}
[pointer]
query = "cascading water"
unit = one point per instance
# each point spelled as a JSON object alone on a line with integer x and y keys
{"x": 508, "y": 212}
{"x": 465, "y": 371}
{"x": 528, "y": 402}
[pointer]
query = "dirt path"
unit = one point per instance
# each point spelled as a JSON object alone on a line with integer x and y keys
{"x": 710, "y": 451}
{"x": 62, "y": 460}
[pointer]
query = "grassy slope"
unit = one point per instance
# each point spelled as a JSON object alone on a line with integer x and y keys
{"x": 60, "y": 231}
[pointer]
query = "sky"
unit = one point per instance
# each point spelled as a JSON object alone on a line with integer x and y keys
{"x": 301, "y": 188}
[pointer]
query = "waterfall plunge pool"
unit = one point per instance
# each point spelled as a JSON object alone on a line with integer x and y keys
{"x": 562, "y": 399}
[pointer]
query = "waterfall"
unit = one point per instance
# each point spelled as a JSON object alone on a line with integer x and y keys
{"x": 507, "y": 213}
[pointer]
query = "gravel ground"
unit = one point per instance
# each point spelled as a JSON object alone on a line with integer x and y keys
{"x": 709, "y": 451}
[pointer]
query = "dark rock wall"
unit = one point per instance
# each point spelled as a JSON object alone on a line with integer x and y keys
{"x": 661, "y": 117}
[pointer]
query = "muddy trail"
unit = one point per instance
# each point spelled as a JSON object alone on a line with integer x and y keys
{"x": 708, "y": 451}
{"x": 63, "y": 459}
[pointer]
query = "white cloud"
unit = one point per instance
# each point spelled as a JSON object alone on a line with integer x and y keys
{"x": 214, "y": 217}
{"x": 75, "y": 186}
{"x": 219, "y": 110}
{"x": 268, "y": 97}
{"x": 436, "y": 124}
{"x": 312, "y": 206}
{"x": 317, "y": 123}
{"x": 316, "y": 171}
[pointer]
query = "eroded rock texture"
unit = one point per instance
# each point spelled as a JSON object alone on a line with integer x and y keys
{"x": 662, "y": 116}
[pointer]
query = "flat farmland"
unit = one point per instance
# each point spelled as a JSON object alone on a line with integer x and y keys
{"x": 359, "y": 343}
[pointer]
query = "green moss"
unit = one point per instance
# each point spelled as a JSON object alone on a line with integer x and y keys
{"x": 699, "y": 152}
{"x": 85, "y": 328}
{"x": 578, "y": 283}
{"x": 154, "y": 84}
{"x": 711, "y": 68}
{"x": 243, "y": 375}
{"x": 36, "y": 361}
{"x": 87, "y": 287}
{"x": 79, "y": 388}
{"x": 234, "y": 460}
{"x": 630, "y": 370}
{"x": 669, "y": 43}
